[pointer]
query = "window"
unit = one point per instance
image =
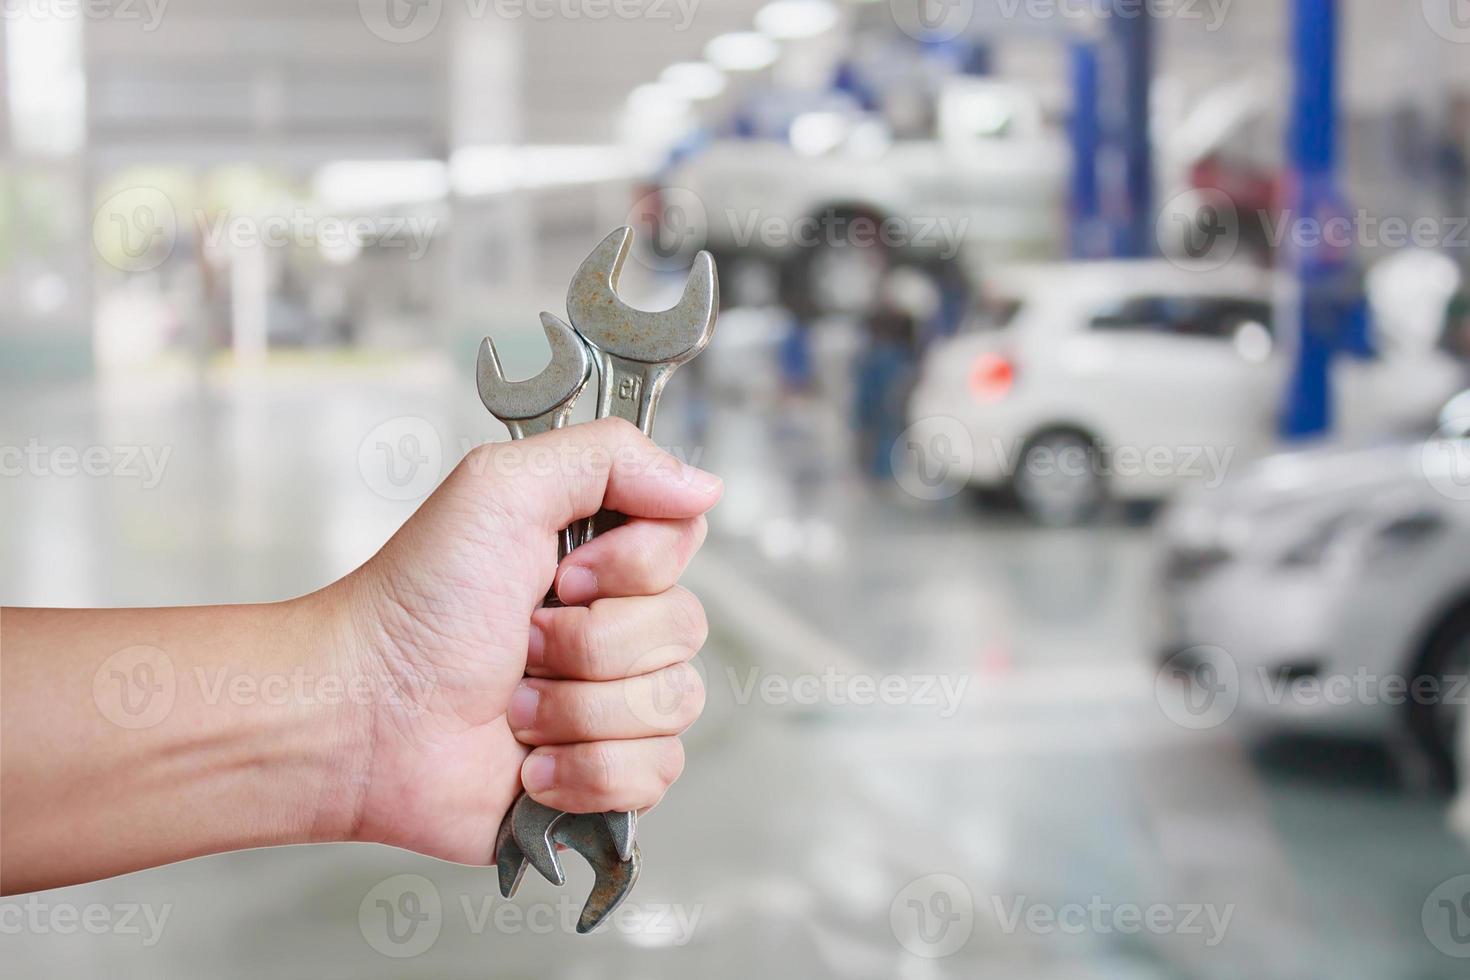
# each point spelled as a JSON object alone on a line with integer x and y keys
{"x": 1216, "y": 318}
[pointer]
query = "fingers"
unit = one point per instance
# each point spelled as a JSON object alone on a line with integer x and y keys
{"x": 592, "y": 777}
{"x": 616, "y": 638}
{"x": 643, "y": 557}
{"x": 574, "y": 472}
{"x": 544, "y": 711}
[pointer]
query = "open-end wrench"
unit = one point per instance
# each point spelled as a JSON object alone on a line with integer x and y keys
{"x": 637, "y": 351}
{"x": 530, "y": 408}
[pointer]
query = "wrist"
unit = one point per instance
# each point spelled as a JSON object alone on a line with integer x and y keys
{"x": 335, "y": 713}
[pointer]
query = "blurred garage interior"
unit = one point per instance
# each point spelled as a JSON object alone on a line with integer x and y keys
{"x": 1087, "y": 390}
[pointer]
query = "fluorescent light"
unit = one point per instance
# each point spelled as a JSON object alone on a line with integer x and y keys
{"x": 792, "y": 20}
{"x": 353, "y": 184}
{"x": 742, "y": 51}
{"x": 815, "y": 133}
{"x": 483, "y": 170}
{"x": 694, "y": 79}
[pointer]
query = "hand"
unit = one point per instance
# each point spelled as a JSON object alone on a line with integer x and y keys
{"x": 448, "y": 611}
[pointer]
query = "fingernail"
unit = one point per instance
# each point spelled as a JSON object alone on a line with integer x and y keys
{"x": 701, "y": 480}
{"x": 522, "y": 711}
{"x": 578, "y": 585}
{"x": 538, "y": 773}
{"x": 536, "y": 647}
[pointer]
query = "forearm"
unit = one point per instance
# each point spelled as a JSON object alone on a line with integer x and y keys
{"x": 135, "y": 737}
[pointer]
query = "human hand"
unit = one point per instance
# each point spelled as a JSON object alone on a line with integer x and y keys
{"x": 448, "y": 610}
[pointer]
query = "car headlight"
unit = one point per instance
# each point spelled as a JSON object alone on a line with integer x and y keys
{"x": 1403, "y": 533}
{"x": 1312, "y": 549}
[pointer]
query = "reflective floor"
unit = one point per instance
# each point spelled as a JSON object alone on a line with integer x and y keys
{"x": 932, "y": 746}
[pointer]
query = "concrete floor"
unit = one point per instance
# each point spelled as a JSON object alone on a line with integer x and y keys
{"x": 810, "y": 836}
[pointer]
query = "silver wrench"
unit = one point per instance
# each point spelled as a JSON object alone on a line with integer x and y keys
{"x": 529, "y": 408}
{"x": 637, "y": 351}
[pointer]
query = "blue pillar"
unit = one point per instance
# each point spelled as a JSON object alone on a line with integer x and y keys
{"x": 1330, "y": 310}
{"x": 1088, "y": 234}
{"x": 1126, "y": 108}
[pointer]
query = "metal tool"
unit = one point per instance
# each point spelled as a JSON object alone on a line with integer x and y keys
{"x": 636, "y": 353}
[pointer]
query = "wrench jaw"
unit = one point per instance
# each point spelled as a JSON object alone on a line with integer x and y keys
{"x": 544, "y": 402}
{"x": 670, "y": 337}
{"x": 605, "y": 840}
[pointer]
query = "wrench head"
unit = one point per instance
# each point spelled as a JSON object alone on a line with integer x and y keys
{"x": 551, "y": 391}
{"x": 532, "y": 834}
{"x": 671, "y": 336}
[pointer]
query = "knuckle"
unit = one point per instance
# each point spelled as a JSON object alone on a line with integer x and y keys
{"x": 596, "y": 648}
{"x": 689, "y": 619}
{"x": 600, "y": 771}
{"x": 669, "y": 764}
{"x": 582, "y": 714}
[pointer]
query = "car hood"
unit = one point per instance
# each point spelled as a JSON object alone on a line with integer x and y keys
{"x": 1276, "y": 498}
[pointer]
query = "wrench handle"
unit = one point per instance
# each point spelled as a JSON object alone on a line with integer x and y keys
{"x": 630, "y": 390}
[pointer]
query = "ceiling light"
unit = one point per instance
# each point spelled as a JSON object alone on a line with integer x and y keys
{"x": 694, "y": 79}
{"x": 791, "y": 20}
{"x": 742, "y": 51}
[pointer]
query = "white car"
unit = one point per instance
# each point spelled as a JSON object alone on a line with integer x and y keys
{"x": 1131, "y": 379}
{"x": 1325, "y": 590}
{"x": 991, "y": 184}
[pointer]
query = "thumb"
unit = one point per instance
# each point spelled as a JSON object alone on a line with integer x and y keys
{"x": 571, "y": 473}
